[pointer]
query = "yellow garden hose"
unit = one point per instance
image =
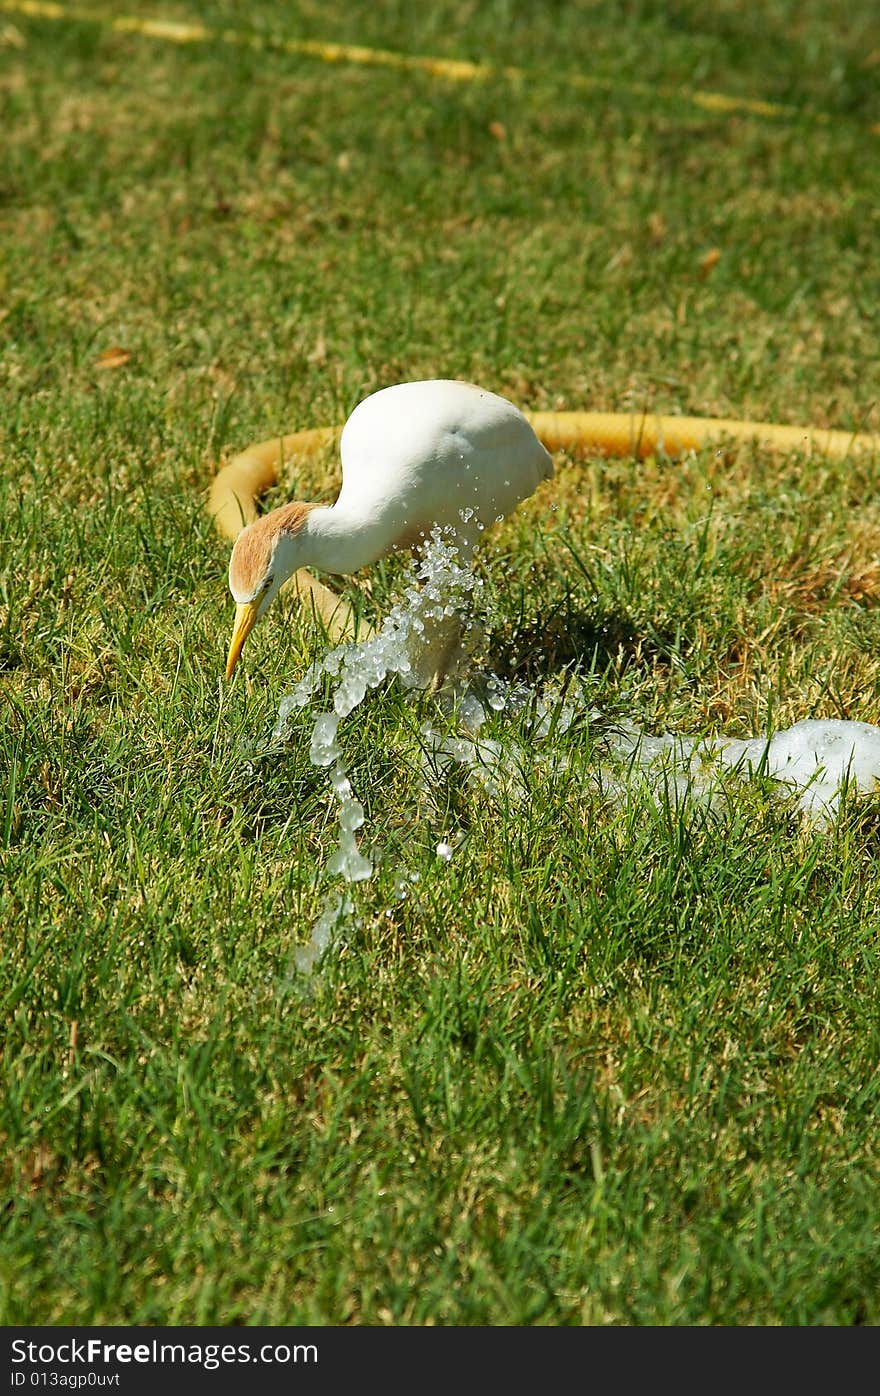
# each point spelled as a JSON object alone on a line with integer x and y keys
{"x": 239, "y": 483}
{"x": 641, "y": 435}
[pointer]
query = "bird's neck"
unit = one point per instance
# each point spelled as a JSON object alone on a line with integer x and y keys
{"x": 339, "y": 541}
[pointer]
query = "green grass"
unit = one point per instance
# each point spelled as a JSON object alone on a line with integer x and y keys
{"x": 609, "y": 1064}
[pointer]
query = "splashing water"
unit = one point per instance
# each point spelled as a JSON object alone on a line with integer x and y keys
{"x": 506, "y": 768}
{"x": 420, "y": 642}
{"x": 423, "y": 641}
{"x": 337, "y": 911}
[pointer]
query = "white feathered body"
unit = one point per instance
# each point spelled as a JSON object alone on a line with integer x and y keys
{"x": 435, "y": 452}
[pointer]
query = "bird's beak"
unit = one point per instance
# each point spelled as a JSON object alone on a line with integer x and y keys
{"x": 245, "y": 620}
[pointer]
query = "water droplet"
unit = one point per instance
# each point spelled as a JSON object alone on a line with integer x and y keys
{"x": 351, "y": 816}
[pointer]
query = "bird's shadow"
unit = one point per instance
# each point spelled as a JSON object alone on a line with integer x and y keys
{"x": 532, "y": 650}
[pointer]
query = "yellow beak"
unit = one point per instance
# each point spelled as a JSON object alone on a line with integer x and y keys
{"x": 245, "y": 620}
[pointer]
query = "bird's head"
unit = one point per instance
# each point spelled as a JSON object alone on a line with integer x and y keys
{"x": 263, "y": 556}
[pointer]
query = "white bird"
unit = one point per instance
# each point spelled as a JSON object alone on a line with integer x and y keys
{"x": 414, "y": 456}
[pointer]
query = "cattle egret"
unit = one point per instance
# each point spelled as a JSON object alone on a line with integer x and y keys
{"x": 414, "y": 456}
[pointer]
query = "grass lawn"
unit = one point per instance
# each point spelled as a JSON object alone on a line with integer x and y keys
{"x": 611, "y": 1063}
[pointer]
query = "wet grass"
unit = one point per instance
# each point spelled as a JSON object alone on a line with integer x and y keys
{"x": 609, "y": 1064}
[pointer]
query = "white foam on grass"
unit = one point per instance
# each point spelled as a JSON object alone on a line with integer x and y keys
{"x": 816, "y": 761}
